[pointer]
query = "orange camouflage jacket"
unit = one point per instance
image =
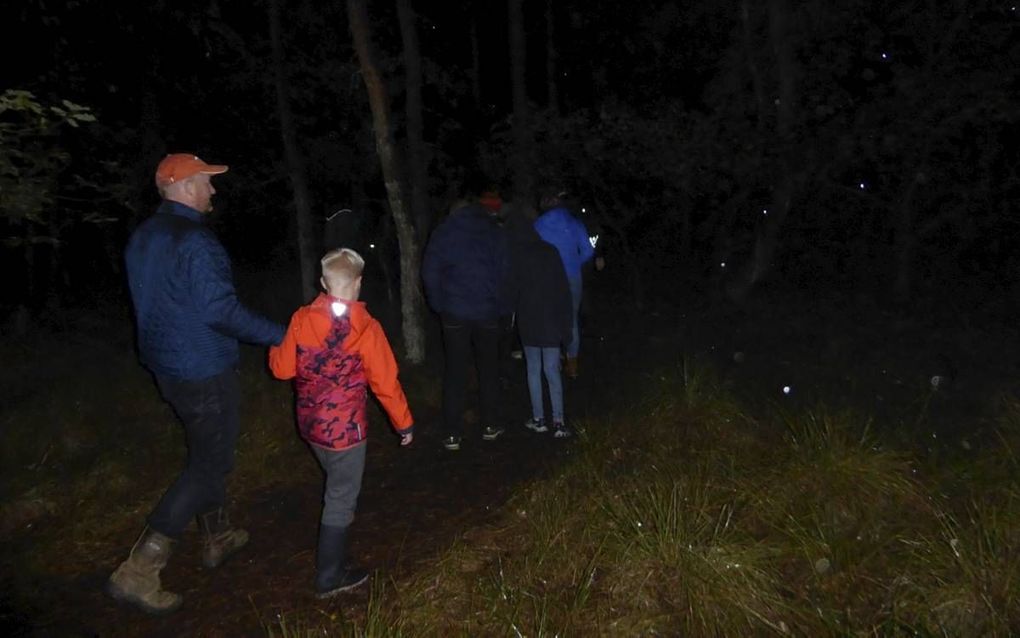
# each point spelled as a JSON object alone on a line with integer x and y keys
{"x": 335, "y": 350}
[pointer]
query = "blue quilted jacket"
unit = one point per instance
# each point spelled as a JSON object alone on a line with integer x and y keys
{"x": 188, "y": 315}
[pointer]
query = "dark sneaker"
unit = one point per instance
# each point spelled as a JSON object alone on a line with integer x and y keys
{"x": 452, "y": 443}
{"x": 491, "y": 434}
{"x": 536, "y": 425}
{"x": 561, "y": 431}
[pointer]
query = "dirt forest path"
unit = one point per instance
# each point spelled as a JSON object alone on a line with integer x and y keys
{"x": 415, "y": 503}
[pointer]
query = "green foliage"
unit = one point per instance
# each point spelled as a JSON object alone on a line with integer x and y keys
{"x": 31, "y": 155}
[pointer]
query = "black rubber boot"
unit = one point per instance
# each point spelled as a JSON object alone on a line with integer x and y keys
{"x": 333, "y": 574}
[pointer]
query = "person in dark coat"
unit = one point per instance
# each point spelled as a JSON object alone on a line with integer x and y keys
{"x": 464, "y": 272}
{"x": 540, "y": 294}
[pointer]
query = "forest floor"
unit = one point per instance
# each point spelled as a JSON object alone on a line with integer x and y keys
{"x": 418, "y": 502}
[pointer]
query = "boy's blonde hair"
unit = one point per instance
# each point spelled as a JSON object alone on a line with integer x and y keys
{"x": 340, "y": 269}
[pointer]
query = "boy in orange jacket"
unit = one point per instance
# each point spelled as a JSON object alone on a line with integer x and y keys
{"x": 334, "y": 350}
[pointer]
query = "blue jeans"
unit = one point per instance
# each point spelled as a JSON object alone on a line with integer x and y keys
{"x": 545, "y": 360}
{"x": 209, "y": 409}
{"x": 575, "y": 296}
{"x": 344, "y": 469}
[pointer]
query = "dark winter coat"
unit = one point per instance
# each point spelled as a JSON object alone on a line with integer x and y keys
{"x": 538, "y": 287}
{"x": 466, "y": 266}
{"x": 189, "y": 318}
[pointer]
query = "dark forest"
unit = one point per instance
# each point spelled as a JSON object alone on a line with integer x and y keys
{"x": 801, "y": 333}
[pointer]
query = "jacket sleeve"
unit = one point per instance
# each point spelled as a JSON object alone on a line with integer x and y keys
{"x": 585, "y": 250}
{"x": 504, "y": 274}
{"x": 283, "y": 357}
{"x": 562, "y": 305}
{"x": 212, "y": 290}
{"x": 512, "y": 290}
{"x": 382, "y": 375}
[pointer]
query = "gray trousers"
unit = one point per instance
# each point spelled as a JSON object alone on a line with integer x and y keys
{"x": 343, "y": 469}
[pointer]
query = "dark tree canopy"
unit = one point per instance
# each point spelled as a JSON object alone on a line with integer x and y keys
{"x": 894, "y": 155}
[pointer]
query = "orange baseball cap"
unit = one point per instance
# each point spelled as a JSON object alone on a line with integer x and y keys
{"x": 178, "y": 166}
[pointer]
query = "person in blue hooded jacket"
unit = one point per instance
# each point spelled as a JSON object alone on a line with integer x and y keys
{"x": 558, "y": 226}
{"x": 189, "y": 322}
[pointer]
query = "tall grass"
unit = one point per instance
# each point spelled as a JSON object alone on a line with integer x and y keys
{"x": 688, "y": 516}
{"x": 684, "y": 513}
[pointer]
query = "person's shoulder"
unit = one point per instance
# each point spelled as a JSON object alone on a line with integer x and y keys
{"x": 200, "y": 239}
{"x": 361, "y": 319}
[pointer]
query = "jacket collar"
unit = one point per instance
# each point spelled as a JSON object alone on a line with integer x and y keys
{"x": 176, "y": 208}
{"x": 324, "y": 303}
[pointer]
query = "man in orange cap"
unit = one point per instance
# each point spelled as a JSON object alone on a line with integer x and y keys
{"x": 189, "y": 323}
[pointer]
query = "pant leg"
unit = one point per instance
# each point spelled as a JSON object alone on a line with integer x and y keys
{"x": 209, "y": 409}
{"x": 551, "y": 367}
{"x": 575, "y": 296}
{"x": 485, "y": 337}
{"x": 506, "y": 344}
{"x": 344, "y": 469}
{"x": 457, "y": 350}
{"x": 533, "y": 358}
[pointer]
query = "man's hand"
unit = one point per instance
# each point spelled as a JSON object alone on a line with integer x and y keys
{"x": 405, "y": 439}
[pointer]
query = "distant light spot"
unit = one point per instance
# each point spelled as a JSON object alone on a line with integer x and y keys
{"x": 722, "y": 265}
{"x": 786, "y": 389}
{"x": 371, "y": 246}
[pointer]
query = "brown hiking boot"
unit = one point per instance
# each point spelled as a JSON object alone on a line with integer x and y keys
{"x": 136, "y": 581}
{"x": 221, "y": 540}
{"x": 570, "y": 367}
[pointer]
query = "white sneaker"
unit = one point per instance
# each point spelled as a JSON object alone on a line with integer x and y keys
{"x": 536, "y": 425}
{"x": 561, "y": 431}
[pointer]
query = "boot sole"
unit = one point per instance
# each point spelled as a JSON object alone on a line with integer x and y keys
{"x": 125, "y": 598}
{"x": 339, "y": 590}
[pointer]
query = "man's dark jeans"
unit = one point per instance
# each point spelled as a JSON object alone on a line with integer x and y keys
{"x": 209, "y": 409}
{"x": 459, "y": 338}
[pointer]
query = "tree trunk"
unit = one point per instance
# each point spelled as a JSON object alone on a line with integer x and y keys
{"x": 307, "y": 251}
{"x": 552, "y": 87}
{"x": 476, "y": 65}
{"x": 417, "y": 162}
{"x": 767, "y": 239}
{"x": 412, "y": 311}
{"x": 518, "y": 66}
{"x": 906, "y": 238}
{"x": 752, "y": 66}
